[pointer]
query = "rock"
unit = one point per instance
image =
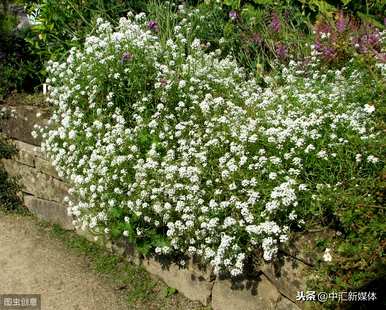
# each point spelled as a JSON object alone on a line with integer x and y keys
{"x": 25, "y": 158}
{"x": 287, "y": 277}
{"x": 303, "y": 245}
{"x": 22, "y": 17}
{"x": 32, "y": 155}
{"x": 191, "y": 284}
{"x": 36, "y": 183}
{"x": 286, "y": 304}
{"x": 21, "y": 125}
{"x": 123, "y": 247}
{"x": 49, "y": 211}
{"x": 45, "y": 166}
{"x": 86, "y": 234}
{"x": 205, "y": 271}
{"x": 29, "y": 148}
{"x": 257, "y": 294}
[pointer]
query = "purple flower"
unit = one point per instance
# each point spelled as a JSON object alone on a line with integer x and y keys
{"x": 275, "y": 22}
{"x": 126, "y": 56}
{"x": 286, "y": 15}
{"x": 152, "y": 25}
{"x": 373, "y": 38}
{"x": 281, "y": 50}
{"x": 163, "y": 82}
{"x": 381, "y": 57}
{"x": 233, "y": 15}
{"x": 341, "y": 23}
{"x": 256, "y": 38}
{"x": 328, "y": 53}
{"x": 318, "y": 46}
{"x": 369, "y": 41}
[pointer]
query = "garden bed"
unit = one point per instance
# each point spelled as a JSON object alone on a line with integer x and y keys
{"x": 223, "y": 134}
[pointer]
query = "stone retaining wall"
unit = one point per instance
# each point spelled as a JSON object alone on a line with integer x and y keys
{"x": 43, "y": 190}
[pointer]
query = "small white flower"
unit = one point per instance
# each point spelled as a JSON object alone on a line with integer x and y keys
{"x": 369, "y": 108}
{"x": 196, "y": 43}
{"x": 372, "y": 159}
{"x": 272, "y": 176}
{"x": 322, "y": 154}
{"x": 327, "y": 255}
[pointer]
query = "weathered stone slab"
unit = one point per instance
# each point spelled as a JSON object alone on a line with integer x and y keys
{"x": 36, "y": 183}
{"x": 286, "y": 304}
{"x": 288, "y": 277}
{"x": 29, "y": 148}
{"x": 25, "y": 158}
{"x": 49, "y": 210}
{"x": 32, "y": 155}
{"x": 127, "y": 249}
{"x": 21, "y": 124}
{"x": 205, "y": 271}
{"x": 303, "y": 245}
{"x": 45, "y": 166}
{"x": 85, "y": 234}
{"x": 259, "y": 294}
{"x": 191, "y": 284}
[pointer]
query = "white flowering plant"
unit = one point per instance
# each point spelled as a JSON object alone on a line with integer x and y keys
{"x": 182, "y": 153}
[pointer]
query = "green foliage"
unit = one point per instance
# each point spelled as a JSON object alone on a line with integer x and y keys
{"x": 248, "y": 36}
{"x": 169, "y": 291}
{"x": 319, "y": 6}
{"x": 235, "y": 4}
{"x": 62, "y": 24}
{"x": 7, "y": 23}
{"x": 266, "y": 33}
{"x": 9, "y": 187}
{"x": 6, "y": 150}
{"x": 19, "y": 70}
{"x": 373, "y": 10}
{"x": 356, "y": 211}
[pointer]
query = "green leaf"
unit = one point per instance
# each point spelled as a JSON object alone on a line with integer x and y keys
{"x": 370, "y": 19}
{"x": 263, "y": 2}
{"x": 234, "y": 4}
{"x": 160, "y": 241}
{"x": 320, "y": 6}
{"x": 169, "y": 291}
{"x": 116, "y": 212}
{"x": 130, "y": 230}
{"x": 345, "y": 2}
{"x": 144, "y": 247}
{"x": 116, "y": 232}
{"x": 250, "y": 14}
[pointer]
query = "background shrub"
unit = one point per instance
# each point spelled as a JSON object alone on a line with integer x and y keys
{"x": 19, "y": 68}
{"x": 9, "y": 187}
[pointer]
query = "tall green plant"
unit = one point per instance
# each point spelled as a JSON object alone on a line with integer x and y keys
{"x": 62, "y": 24}
{"x": 368, "y": 10}
{"x": 9, "y": 187}
{"x": 19, "y": 69}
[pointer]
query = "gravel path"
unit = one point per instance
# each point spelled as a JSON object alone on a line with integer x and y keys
{"x": 32, "y": 263}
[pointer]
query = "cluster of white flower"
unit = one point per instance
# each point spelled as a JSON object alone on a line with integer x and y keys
{"x": 170, "y": 143}
{"x": 6, "y": 112}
